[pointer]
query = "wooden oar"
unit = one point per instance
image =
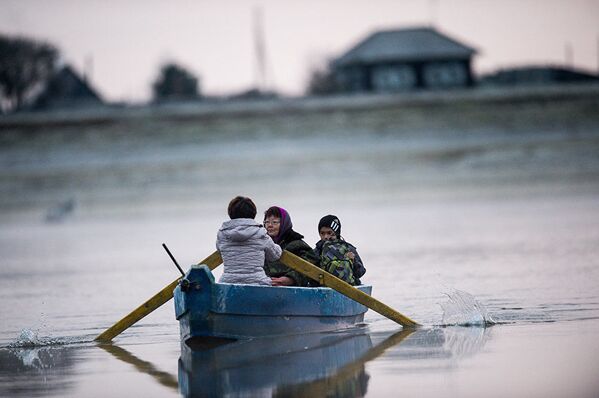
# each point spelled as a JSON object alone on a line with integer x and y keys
{"x": 329, "y": 280}
{"x": 212, "y": 261}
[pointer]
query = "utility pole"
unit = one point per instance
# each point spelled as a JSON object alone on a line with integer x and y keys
{"x": 260, "y": 71}
{"x": 569, "y": 55}
{"x": 432, "y": 9}
{"x": 88, "y": 68}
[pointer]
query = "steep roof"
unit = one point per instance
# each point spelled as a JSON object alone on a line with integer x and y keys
{"x": 67, "y": 90}
{"x": 415, "y": 44}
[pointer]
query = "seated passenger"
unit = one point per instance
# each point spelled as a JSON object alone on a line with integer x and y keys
{"x": 336, "y": 256}
{"x": 244, "y": 245}
{"x": 278, "y": 224}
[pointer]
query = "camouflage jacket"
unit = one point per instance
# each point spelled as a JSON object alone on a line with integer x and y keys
{"x": 341, "y": 259}
{"x": 292, "y": 241}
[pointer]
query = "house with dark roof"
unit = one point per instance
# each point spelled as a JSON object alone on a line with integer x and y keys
{"x": 66, "y": 89}
{"x": 537, "y": 75}
{"x": 403, "y": 60}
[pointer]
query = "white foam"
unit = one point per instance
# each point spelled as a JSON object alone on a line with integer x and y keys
{"x": 462, "y": 309}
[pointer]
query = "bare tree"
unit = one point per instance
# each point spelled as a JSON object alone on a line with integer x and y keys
{"x": 322, "y": 81}
{"x": 175, "y": 83}
{"x": 25, "y": 65}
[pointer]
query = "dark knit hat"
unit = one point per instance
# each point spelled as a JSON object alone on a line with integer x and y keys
{"x": 332, "y": 222}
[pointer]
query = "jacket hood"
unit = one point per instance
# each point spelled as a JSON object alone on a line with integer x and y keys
{"x": 240, "y": 229}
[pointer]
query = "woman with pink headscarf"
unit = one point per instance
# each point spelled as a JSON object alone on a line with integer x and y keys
{"x": 280, "y": 228}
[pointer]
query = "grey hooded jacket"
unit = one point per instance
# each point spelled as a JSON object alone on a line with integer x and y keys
{"x": 243, "y": 245}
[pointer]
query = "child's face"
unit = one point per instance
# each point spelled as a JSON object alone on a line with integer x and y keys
{"x": 273, "y": 225}
{"x": 327, "y": 233}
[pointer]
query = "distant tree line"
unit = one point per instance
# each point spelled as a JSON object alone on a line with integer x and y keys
{"x": 27, "y": 65}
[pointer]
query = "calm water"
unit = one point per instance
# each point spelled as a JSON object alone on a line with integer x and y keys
{"x": 467, "y": 222}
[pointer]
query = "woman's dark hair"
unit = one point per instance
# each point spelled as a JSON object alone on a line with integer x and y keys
{"x": 241, "y": 207}
{"x": 272, "y": 211}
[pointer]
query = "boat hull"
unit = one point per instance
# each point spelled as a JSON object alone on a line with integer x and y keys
{"x": 205, "y": 308}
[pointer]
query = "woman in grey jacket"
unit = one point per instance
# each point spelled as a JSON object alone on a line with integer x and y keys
{"x": 244, "y": 245}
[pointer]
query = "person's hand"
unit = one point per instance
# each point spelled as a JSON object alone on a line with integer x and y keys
{"x": 350, "y": 255}
{"x": 282, "y": 281}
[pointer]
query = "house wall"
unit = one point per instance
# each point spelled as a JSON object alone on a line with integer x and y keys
{"x": 352, "y": 78}
{"x": 446, "y": 74}
{"x": 394, "y": 77}
{"x": 405, "y": 76}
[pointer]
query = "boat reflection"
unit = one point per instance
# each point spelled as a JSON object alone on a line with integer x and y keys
{"x": 316, "y": 364}
{"x": 323, "y": 364}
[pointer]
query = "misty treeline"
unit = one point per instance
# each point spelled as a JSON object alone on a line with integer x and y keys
{"x": 27, "y": 65}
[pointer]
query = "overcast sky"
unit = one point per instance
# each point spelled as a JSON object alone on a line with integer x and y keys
{"x": 123, "y": 43}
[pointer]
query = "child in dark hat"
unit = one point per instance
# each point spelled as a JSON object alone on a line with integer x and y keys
{"x": 337, "y": 256}
{"x": 329, "y": 228}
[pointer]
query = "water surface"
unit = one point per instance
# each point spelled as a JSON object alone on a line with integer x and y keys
{"x": 510, "y": 221}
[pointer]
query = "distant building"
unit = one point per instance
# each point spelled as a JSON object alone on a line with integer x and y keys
{"x": 254, "y": 94}
{"x": 537, "y": 75}
{"x": 66, "y": 90}
{"x": 404, "y": 59}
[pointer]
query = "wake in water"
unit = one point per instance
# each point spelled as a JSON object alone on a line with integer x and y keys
{"x": 31, "y": 339}
{"x": 462, "y": 309}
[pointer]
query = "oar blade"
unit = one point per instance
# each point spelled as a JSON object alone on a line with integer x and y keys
{"x": 212, "y": 261}
{"x": 311, "y": 271}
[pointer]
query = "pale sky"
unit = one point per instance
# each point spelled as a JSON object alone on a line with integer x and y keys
{"x": 127, "y": 41}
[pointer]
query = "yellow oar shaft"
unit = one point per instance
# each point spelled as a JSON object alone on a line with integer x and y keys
{"x": 311, "y": 271}
{"x": 212, "y": 261}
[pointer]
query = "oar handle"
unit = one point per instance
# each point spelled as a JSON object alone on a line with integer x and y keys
{"x": 311, "y": 271}
{"x": 173, "y": 258}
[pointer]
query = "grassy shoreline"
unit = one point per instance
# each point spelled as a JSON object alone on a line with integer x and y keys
{"x": 418, "y": 109}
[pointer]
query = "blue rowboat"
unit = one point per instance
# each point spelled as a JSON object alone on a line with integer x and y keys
{"x": 231, "y": 312}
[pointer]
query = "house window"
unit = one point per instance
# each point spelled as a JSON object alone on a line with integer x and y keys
{"x": 393, "y": 78}
{"x": 445, "y": 74}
